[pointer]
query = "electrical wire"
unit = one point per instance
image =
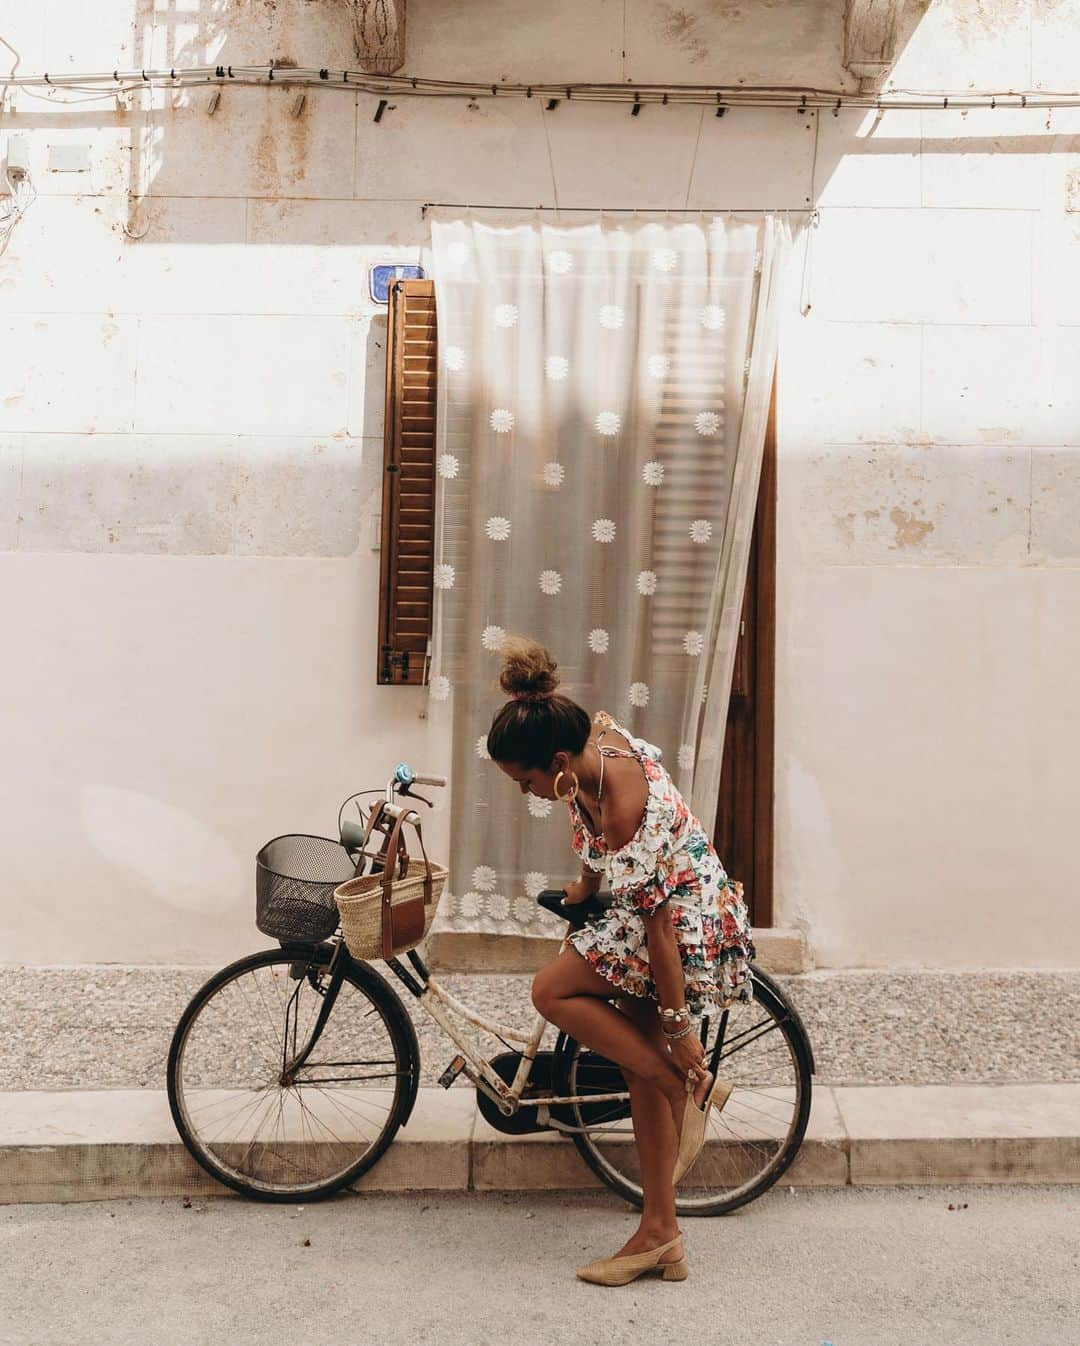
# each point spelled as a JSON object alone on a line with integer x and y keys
{"x": 22, "y": 194}
{"x": 553, "y": 94}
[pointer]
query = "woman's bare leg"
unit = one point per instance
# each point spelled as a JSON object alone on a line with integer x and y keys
{"x": 656, "y": 1139}
{"x": 569, "y": 993}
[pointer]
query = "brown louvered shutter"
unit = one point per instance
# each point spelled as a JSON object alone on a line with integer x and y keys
{"x": 408, "y": 507}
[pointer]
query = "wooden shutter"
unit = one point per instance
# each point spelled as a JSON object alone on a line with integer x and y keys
{"x": 408, "y": 505}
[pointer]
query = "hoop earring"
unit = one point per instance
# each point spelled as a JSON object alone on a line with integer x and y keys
{"x": 573, "y": 791}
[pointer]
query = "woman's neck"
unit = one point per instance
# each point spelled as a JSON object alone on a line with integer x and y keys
{"x": 586, "y": 767}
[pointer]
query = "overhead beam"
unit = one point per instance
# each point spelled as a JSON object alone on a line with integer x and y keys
{"x": 870, "y": 36}
{"x": 379, "y": 35}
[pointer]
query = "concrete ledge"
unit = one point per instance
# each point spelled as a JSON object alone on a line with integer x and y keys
{"x": 964, "y": 1133}
{"x": 100, "y": 1145}
{"x": 778, "y": 950}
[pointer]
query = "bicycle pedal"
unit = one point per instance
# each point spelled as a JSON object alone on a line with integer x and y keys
{"x": 452, "y": 1071}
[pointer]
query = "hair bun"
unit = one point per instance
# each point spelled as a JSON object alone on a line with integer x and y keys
{"x": 528, "y": 670}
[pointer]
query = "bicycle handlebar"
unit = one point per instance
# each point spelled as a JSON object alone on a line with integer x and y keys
{"x": 400, "y": 783}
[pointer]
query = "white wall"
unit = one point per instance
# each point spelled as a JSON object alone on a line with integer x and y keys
{"x": 190, "y": 443}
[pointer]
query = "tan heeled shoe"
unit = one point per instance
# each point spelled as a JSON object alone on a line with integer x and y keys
{"x": 622, "y": 1270}
{"x": 692, "y": 1133}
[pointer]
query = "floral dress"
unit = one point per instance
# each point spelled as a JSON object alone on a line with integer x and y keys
{"x": 671, "y": 860}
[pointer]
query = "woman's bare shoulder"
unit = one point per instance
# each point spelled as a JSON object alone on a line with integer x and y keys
{"x": 626, "y": 797}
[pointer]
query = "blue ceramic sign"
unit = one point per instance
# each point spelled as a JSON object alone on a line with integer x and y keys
{"x": 381, "y": 277}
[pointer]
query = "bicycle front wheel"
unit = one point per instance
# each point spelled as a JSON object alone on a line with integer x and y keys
{"x": 763, "y": 1049}
{"x": 276, "y": 1098}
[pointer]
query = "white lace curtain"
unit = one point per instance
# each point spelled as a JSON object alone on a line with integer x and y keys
{"x": 603, "y": 390}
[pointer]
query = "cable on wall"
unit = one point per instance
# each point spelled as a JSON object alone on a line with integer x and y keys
{"x": 638, "y": 97}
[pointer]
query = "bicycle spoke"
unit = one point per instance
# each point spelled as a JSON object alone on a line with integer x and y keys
{"x": 248, "y": 1107}
{"x": 250, "y": 1013}
{"x": 740, "y": 1102}
{"x": 272, "y": 1101}
{"x": 358, "y": 1117}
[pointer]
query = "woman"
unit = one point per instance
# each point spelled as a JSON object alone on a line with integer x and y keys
{"x": 675, "y": 939}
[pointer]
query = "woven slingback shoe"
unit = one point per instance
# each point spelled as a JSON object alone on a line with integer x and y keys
{"x": 622, "y": 1270}
{"x": 692, "y": 1133}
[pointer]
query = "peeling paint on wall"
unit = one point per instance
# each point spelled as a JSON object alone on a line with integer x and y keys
{"x": 910, "y": 532}
{"x": 940, "y": 505}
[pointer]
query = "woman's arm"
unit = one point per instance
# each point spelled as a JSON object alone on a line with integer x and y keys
{"x": 664, "y": 958}
{"x": 591, "y": 879}
{"x": 622, "y": 819}
{"x": 583, "y": 887}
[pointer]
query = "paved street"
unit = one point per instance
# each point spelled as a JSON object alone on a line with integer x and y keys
{"x": 851, "y": 1267}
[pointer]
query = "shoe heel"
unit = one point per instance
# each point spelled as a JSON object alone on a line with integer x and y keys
{"x": 675, "y": 1271}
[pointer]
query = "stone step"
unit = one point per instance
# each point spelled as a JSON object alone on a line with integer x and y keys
{"x": 779, "y": 949}
{"x": 90, "y": 1145}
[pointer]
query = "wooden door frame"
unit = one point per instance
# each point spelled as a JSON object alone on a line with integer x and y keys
{"x": 745, "y": 807}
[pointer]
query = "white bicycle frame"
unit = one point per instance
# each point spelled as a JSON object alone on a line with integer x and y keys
{"x": 437, "y": 1000}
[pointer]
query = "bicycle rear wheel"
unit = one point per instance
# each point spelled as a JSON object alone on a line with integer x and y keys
{"x": 259, "y": 1122}
{"x": 763, "y": 1049}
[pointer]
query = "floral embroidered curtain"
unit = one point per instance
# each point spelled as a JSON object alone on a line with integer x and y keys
{"x": 602, "y": 399}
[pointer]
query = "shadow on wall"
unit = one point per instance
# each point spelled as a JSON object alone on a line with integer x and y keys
{"x": 236, "y": 404}
{"x": 199, "y": 494}
{"x": 163, "y": 853}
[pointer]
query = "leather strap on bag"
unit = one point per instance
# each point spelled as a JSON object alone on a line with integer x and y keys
{"x": 402, "y": 861}
{"x": 403, "y": 924}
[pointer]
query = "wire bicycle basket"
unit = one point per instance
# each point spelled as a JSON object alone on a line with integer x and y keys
{"x": 295, "y": 878}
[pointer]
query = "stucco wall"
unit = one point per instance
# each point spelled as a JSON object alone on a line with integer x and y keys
{"x": 190, "y": 443}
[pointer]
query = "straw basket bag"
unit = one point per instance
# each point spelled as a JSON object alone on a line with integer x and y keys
{"x": 386, "y": 914}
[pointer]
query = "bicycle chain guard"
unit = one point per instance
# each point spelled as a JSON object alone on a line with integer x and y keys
{"x": 604, "y": 1077}
{"x": 525, "y": 1121}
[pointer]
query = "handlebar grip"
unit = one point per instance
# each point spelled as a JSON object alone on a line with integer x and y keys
{"x": 429, "y": 780}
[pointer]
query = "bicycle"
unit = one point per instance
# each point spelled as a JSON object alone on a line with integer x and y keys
{"x": 253, "y": 1065}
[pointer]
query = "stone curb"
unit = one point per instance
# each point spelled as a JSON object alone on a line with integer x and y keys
{"x": 103, "y": 1144}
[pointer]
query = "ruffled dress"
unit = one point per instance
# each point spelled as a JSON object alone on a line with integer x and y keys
{"x": 669, "y": 860}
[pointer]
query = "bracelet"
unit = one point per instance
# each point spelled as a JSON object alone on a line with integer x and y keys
{"x": 672, "y": 1013}
{"x": 673, "y": 1037}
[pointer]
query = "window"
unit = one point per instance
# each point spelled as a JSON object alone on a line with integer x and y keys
{"x": 744, "y": 822}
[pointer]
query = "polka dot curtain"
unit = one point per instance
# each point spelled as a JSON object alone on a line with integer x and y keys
{"x": 603, "y": 392}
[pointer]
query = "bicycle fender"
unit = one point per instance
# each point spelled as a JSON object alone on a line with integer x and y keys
{"x": 796, "y": 1018}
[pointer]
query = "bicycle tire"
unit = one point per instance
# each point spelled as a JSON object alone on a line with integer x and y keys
{"x": 368, "y": 981}
{"x": 768, "y": 994}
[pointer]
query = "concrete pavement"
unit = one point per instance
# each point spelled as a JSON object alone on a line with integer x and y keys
{"x": 910, "y": 1266}
{"x": 98, "y": 1144}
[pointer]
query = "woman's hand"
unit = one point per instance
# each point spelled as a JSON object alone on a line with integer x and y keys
{"x": 687, "y": 1052}
{"x": 576, "y": 892}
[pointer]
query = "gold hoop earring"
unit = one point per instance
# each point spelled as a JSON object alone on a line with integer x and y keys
{"x": 573, "y": 790}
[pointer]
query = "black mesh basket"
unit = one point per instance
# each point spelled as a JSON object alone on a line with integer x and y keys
{"x": 295, "y": 878}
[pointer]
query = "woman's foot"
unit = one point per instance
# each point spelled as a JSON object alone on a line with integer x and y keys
{"x": 643, "y": 1239}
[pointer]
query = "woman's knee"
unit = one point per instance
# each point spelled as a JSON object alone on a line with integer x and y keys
{"x": 543, "y": 996}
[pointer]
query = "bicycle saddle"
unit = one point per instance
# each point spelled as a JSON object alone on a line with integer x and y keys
{"x": 578, "y": 912}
